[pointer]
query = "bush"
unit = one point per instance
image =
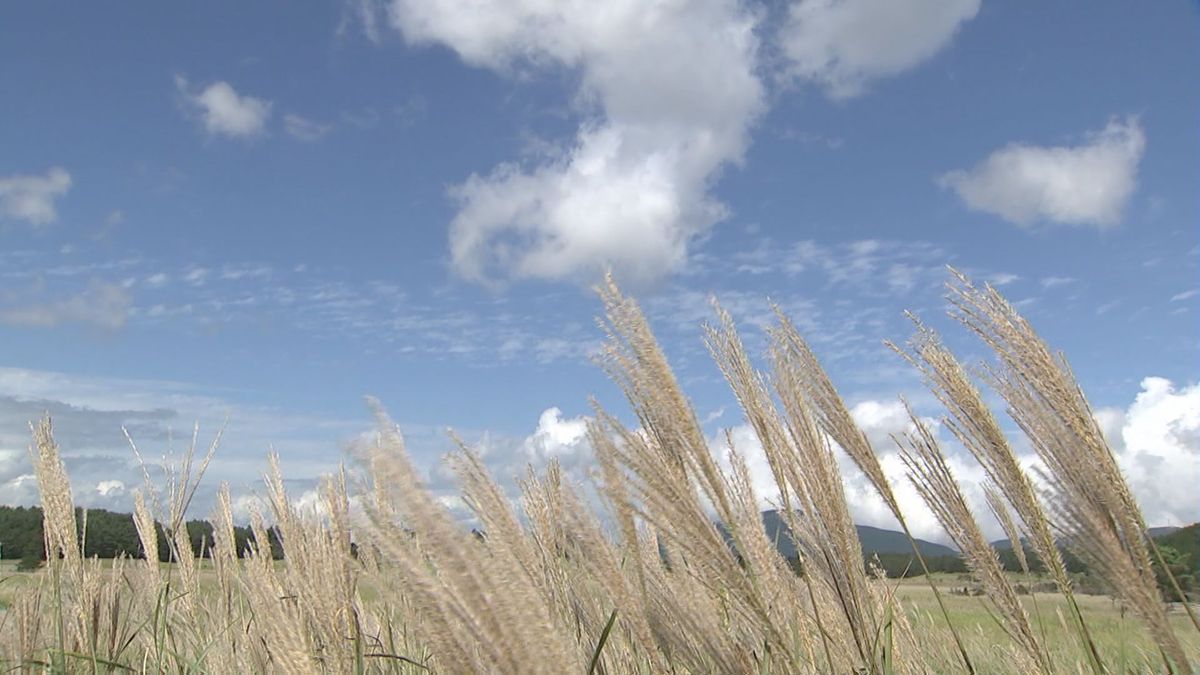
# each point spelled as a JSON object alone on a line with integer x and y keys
{"x": 29, "y": 562}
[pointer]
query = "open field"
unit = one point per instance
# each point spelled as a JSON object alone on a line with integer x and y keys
{"x": 1120, "y": 637}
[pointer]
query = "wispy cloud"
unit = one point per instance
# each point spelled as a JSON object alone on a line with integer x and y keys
{"x": 1055, "y": 282}
{"x": 876, "y": 266}
{"x": 90, "y": 412}
{"x": 304, "y": 129}
{"x": 31, "y": 198}
{"x": 367, "y": 15}
{"x": 102, "y": 304}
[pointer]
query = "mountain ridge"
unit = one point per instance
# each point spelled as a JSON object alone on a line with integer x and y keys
{"x": 872, "y": 539}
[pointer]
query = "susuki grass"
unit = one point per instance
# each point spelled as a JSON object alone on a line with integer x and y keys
{"x": 638, "y": 578}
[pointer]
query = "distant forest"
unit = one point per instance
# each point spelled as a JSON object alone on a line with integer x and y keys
{"x": 109, "y": 535}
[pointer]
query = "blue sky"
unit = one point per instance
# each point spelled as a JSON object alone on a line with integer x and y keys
{"x": 264, "y": 212}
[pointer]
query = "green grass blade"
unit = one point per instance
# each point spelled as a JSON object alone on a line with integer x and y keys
{"x": 612, "y": 618}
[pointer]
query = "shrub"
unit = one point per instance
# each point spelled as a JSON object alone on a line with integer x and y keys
{"x": 29, "y": 562}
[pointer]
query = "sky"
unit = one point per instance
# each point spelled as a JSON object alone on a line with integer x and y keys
{"x": 256, "y": 214}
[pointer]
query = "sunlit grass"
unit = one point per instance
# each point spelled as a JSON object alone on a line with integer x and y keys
{"x": 645, "y": 582}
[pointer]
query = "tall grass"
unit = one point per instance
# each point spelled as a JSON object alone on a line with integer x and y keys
{"x": 668, "y": 569}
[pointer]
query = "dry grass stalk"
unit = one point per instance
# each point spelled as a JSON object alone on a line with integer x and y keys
{"x": 802, "y": 467}
{"x": 481, "y": 609}
{"x": 1000, "y": 510}
{"x": 798, "y": 368}
{"x": 58, "y": 507}
{"x": 673, "y": 474}
{"x": 538, "y": 592}
{"x": 972, "y": 423}
{"x": 1091, "y": 501}
{"x": 931, "y": 476}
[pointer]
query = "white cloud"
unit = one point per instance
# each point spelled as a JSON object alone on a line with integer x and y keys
{"x": 1185, "y": 295}
{"x": 247, "y": 505}
{"x": 557, "y": 438}
{"x": 1157, "y": 443}
{"x": 844, "y": 44}
{"x": 878, "y": 420}
{"x": 20, "y": 490}
{"x": 104, "y": 305}
{"x": 31, "y": 198}
{"x": 110, "y": 489}
{"x": 1087, "y": 184}
{"x": 224, "y": 112}
{"x": 304, "y": 129}
{"x": 746, "y": 442}
{"x": 631, "y": 190}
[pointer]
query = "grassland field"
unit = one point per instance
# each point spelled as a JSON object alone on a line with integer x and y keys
{"x": 1121, "y": 638}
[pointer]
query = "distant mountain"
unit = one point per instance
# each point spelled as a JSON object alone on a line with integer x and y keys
{"x": 873, "y": 539}
{"x": 876, "y": 540}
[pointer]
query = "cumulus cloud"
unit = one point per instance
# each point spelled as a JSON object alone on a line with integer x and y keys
{"x": 110, "y": 489}
{"x": 844, "y": 44}
{"x": 631, "y": 189}
{"x": 1086, "y": 184}
{"x": 557, "y": 438}
{"x": 878, "y": 420}
{"x": 102, "y": 304}
{"x": 31, "y": 198}
{"x": 1157, "y": 443}
{"x": 223, "y": 111}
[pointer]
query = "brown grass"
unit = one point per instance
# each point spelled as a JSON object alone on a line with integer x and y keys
{"x": 646, "y": 581}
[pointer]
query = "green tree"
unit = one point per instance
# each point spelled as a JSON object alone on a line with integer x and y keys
{"x": 1178, "y": 565}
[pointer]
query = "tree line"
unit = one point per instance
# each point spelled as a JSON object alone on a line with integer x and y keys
{"x": 109, "y": 535}
{"x": 1179, "y": 552}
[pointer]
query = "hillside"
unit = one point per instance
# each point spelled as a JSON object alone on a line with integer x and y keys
{"x": 1186, "y": 540}
{"x": 874, "y": 539}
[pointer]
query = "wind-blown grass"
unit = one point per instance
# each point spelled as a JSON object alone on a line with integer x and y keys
{"x": 641, "y": 579}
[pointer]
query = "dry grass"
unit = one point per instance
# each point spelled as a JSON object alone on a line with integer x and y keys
{"x": 647, "y": 582}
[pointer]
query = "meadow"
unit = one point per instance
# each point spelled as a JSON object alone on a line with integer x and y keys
{"x": 642, "y": 580}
